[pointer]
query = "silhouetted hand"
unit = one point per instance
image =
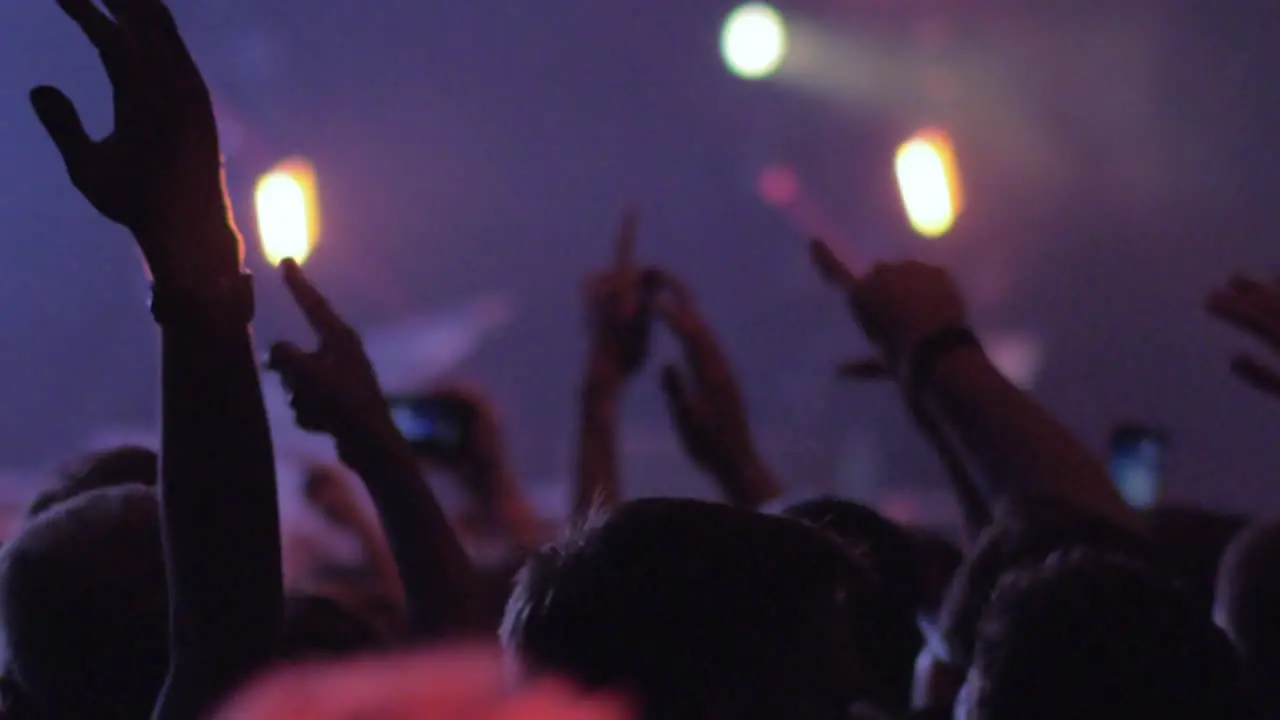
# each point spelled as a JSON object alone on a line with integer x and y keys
{"x": 1254, "y": 307}
{"x": 334, "y": 389}
{"x": 896, "y": 304}
{"x": 481, "y": 464}
{"x": 159, "y": 172}
{"x": 703, "y": 397}
{"x": 617, "y": 312}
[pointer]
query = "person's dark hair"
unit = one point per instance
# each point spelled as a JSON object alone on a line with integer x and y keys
{"x": 84, "y": 606}
{"x": 317, "y": 627}
{"x": 699, "y": 610}
{"x": 1015, "y": 539}
{"x": 1248, "y": 606}
{"x": 125, "y": 465}
{"x": 889, "y": 615}
{"x": 1189, "y": 543}
{"x": 1090, "y": 634}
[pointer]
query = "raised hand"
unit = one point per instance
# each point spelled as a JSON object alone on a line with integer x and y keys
{"x": 333, "y": 389}
{"x": 1254, "y": 307}
{"x": 617, "y": 315}
{"x": 704, "y": 399}
{"x": 897, "y": 304}
{"x": 158, "y": 172}
{"x": 481, "y": 461}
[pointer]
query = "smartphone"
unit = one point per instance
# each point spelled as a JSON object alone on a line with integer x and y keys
{"x": 436, "y": 428}
{"x": 1137, "y": 464}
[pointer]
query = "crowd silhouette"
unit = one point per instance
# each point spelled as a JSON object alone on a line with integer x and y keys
{"x": 152, "y": 584}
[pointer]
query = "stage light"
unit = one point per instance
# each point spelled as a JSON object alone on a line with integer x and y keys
{"x": 929, "y": 182}
{"x": 753, "y": 41}
{"x": 286, "y": 205}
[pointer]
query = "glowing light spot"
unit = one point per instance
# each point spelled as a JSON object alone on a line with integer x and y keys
{"x": 929, "y": 182}
{"x": 753, "y": 41}
{"x": 779, "y": 185}
{"x": 288, "y": 219}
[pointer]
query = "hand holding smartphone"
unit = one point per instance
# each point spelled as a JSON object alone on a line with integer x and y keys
{"x": 439, "y": 427}
{"x": 1137, "y": 463}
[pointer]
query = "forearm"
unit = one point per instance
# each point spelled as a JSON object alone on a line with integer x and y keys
{"x": 378, "y": 552}
{"x": 975, "y": 512}
{"x": 597, "y": 484}
{"x": 1014, "y": 446}
{"x": 748, "y": 484}
{"x": 219, "y": 517}
{"x": 439, "y": 582}
{"x": 517, "y": 517}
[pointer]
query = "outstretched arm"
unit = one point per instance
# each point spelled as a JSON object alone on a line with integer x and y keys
{"x": 618, "y": 323}
{"x": 159, "y": 175}
{"x": 706, "y": 403}
{"x": 334, "y": 391}
{"x": 1016, "y": 449}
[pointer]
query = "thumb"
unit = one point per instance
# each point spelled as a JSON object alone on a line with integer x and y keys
{"x": 1254, "y": 372}
{"x": 61, "y": 120}
{"x": 289, "y": 360}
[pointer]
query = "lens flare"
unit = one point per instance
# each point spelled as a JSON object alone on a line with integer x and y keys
{"x": 929, "y": 182}
{"x": 286, "y": 206}
{"x": 753, "y": 41}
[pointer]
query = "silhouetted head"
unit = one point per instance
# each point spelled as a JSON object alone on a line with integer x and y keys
{"x": 1248, "y": 606}
{"x": 1016, "y": 539}
{"x": 1189, "y": 543}
{"x": 84, "y": 606}
{"x": 1089, "y": 634}
{"x": 699, "y": 611}
{"x": 889, "y": 614}
{"x": 126, "y": 465}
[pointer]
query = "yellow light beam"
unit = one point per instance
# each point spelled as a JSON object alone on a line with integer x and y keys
{"x": 287, "y": 208}
{"x": 929, "y": 182}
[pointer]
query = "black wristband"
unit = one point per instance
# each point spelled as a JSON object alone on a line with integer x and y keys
{"x": 227, "y": 304}
{"x": 936, "y": 346}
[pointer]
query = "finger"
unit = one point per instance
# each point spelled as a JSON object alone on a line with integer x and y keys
{"x": 1254, "y": 372}
{"x": 625, "y": 250}
{"x": 1247, "y": 286}
{"x": 288, "y": 359}
{"x": 327, "y": 324}
{"x": 101, "y": 30}
{"x": 160, "y": 46}
{"x": 62, "y": 121}
{"x": 833, "y": 270}
{"x": 869, "y": 368}
{"x": 1246, "y": 315}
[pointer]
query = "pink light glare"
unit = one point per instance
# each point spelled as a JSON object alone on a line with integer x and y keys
{"x": 778, "y": 185}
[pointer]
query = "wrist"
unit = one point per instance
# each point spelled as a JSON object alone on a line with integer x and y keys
{"x": 369, "y": 442}
{"x": 954, "y": 370}
{"x": 917, "y": 366}
{"x": 227, "y": 305}
{"x": 208, "y": 254}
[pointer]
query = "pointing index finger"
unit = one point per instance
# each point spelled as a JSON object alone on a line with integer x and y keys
{"x": 833, "y": 269}
{"x": 315, "y": 307}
